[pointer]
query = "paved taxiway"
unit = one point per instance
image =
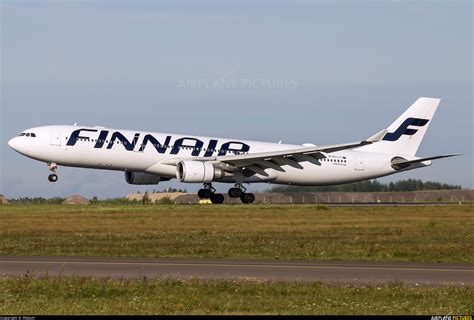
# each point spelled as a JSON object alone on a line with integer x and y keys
{"x": 325, "y": 271}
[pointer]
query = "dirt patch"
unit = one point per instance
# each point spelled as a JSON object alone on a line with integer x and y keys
{"x": 3, "y": 200}
{"x": 155, "y": 197}
{"x": 76, "y": 200}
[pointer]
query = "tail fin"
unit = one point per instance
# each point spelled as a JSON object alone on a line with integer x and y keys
{"x": 405, "y": 134}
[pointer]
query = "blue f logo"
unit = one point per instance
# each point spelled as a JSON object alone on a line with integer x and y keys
{"x": 403, "y": 129}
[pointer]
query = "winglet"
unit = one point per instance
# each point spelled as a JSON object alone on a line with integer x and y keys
{"x": 377, "y": 137}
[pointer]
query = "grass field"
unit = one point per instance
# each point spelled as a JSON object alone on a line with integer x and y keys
{"x": 422, "y": 234}
{"x": 103, "y": 296}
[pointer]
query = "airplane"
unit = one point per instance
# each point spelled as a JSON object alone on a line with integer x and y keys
{"x": 148, "y": 158}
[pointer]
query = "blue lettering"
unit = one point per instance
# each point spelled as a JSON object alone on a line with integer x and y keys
{"x": 158, "y": 146}
{"x": 101, "y": 140}
{"x": 196, "y": 147}
{"x": 75, "y": 136}
{"x": 127, "y": 144}
{"x": 403, "y": 129}
{"x": 226, "y": 148}
{"x": 211, "y": 148}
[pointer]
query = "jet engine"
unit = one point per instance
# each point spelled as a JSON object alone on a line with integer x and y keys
{"x": 142, "y": 178}
{"x": 197, "y": 171}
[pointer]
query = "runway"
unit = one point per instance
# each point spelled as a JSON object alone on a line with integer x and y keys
{"x": 426, "y": 274}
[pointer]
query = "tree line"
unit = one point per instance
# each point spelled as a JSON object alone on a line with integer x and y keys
{"x": 371, "y": 186}
{"x": 363, "y": 186}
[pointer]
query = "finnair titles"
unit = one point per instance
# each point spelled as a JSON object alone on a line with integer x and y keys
{"x": 184, "y": 143}
{"x": 148, "y": 158}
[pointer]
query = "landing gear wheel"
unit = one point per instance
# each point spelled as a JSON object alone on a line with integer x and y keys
{"x": 217, "y": 198}
{"x": 247, "y": 198}
{"x": 53, "y": 177}
{"x": 204, "y": 193}
{"x": 235, "y": 192}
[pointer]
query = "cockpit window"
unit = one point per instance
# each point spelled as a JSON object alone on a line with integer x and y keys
{"x": 28, "y": 134}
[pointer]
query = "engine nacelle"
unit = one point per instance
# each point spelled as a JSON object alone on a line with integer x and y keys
{"x": 197, "y": 171}
{"x": 141, "y": 178}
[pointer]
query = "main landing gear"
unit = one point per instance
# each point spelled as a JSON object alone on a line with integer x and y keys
{"x": 52, "y": 167}
{"x": 239, "y": 192}
{"x": 208, "y": 192}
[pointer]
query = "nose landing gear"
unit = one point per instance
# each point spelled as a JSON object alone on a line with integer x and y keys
{"x": 52, "y": 167}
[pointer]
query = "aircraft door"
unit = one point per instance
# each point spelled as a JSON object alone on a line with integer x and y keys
{"x": 55, "y": 136}
{"x": 359, "y": 162}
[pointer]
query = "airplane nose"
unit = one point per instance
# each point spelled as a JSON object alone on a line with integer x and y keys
{"x": 13, "y": 143}
{"x": 20, "y": 145}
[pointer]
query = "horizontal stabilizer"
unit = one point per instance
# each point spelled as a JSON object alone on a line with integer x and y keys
{"x": 399, "y": 163}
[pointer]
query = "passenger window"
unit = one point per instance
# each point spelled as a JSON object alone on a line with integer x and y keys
{"x": 33, "y": 135}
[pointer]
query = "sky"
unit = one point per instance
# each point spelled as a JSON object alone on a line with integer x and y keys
{"x": 319, "y": 72}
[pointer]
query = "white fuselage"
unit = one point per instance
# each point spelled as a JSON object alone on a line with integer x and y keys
{"x": 156, "y": 153}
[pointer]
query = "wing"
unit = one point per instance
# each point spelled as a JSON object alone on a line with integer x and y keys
{"x": 257, "y": 162}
